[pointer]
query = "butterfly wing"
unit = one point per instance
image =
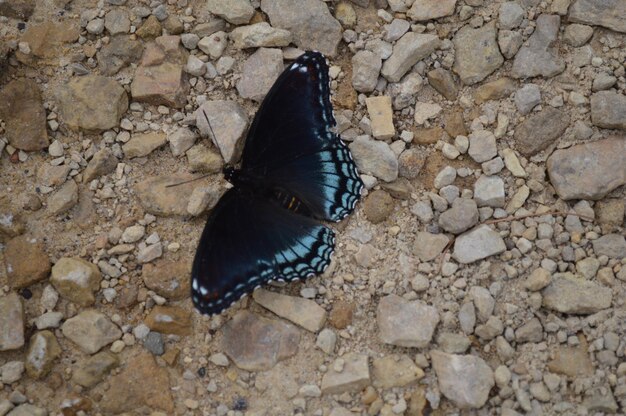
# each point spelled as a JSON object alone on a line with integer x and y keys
{"x": 292, "y": 147}
{"x": 248, "y": 241}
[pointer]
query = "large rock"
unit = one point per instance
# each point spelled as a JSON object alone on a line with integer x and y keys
{"x": 163, "y": 84}
{"x": 26, "y": 261}
{"x": 43, "y": 350}
{"x": 21, "y": 108}
{"x": 237, "y": 12}
{"x": 540, "y": 130}
{"x": 608, "y": 110}
{"x": 309, "y": 21}
{"x": 120, "y": 52}
{"x": 404, "y": 323}
{"x": 255, "y": 343}
{"x": 260, "y": 71}
{"x": 92, "y": 103}
{"x": 610, "y": 245}
{"x": 259, "y": 35}
{"x": 569, "y": 294}
{"x": 539, "y": 57}
{"x": 225, "y": 122}
{"x": 156, "y": 197}
{"x": 477, "y": 244}
{"x": 169, "y": 320}
{"x": 473, "y": 67}
{"x": 464, "y": 379}
{"x": 76, "y": 279}
{"x": 48, "y": 41}
{"x": 354, "y": 376}
{"x": 91, "y": 330}
{"x": 423, "y": 10}
{"x": 304, "y": 312}
{"x": 607, "y": 13}
{"x": 11, "y": 322}
{"x": 408, "y": 50}
{"x": 141, "y": 384}
{"x": 588, "y": 171}
{"x": 375, "y": 158}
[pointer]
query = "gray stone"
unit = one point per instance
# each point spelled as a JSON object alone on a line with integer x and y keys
{"x": 303, "y": 312}
{"x": 404, "y": 92}
{"x": 365, "y": 69}
{"x": 606, "y": 13}
{"x": 117, "y": 22}
{"x": 395, "y": 371}
{"x": 404, "y": 323}
{"x": 489, "y": 191}
{"x": 453, "y": 343}
{"x": 490, "y": 329}
{"x": 214, "y": 44}
{"x": 603, "y": 81}
{"x": 540, "y": 130}
{"x": 464, "y": 379}
{"x": 309, "y": 21}
{"x": 64, "y": 199}
{"x": 445, "y": 177}
{"x": 540, "y": 56}
{"x": 28, "y": 410}
{"x": 90, "y": 330}
{"x": 611, "y": 245}
{"x": 255, "y": 343}
{"x": 260, "y": 71}
{"x": 477, "y": 244}
{"x": 181, "y": 140}
{"x": 226, "y": 126}
{"x": 102, "y": 163}
{"x": 237, "y": 12}
{"x": 461, "y": 217}
{"x": 482, "y": 146}
{"x": 11, "y": 322}
{"x": 374, "y": 158}
{"x": 608, "y": 110}
{"x": 396, "y": 29}
{"x": 509, "y": 42}
{"x": 429, "y": 246}
{"x": 43, "y": 350}
{"x": 493, "y": 166}
{"x": 568, "y": 294}
{"x": 195, "y": 66}
{"x": 423, "y": 10}
{"x": 527, "y": 98}
{"x": 483, "y": 301}
{"x": 588, "y": 171}
{"x": 577, "y": 35}
{"x": 442, "y": 81}
{"x": 10, "y": 373}
{"x": 143, "y": 144}
{"x": 259, "y": 35}
{"x": 467, "y": 317}
{"x": 473, "y": 67}
{"x": 76, "y": 280}
{"x": 423, "y": 211}
{"x": 408, "y": 50}
{"x": 153, "y": 342}
{"x": 531, "y": 331}
{"x": 511, "y": 15}
{"x": 353, "y": 377}
{"x": 93, "y": 369}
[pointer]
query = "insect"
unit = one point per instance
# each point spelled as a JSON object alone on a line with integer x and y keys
{"x": 295, "y": 172}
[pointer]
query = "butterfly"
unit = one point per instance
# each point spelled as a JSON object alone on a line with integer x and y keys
{"x": 295, "y": 172}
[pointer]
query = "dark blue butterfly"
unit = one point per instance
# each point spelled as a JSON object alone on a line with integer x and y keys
{"x": 294, "y": 172}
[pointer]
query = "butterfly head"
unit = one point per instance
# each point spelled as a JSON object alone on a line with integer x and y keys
{"x": 230, "y": 174}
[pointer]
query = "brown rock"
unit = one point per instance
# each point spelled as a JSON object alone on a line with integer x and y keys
{"x": 410, "y": 163}
{"x": 11, "y": 322}
{"x": 442, "y": 81}
{"x": 64, "y": 199}
{"x": 203, "y": 159}
{"x": 76, "y": 280}
{"x": 17, "y": 9}
{"x": 341, "y": 314}
{"x": 92, "y": 103}
{"x": 21, "y": 108}
{"x": 157, "y": 199}
{"x": 540, "y": 130}
{"x": 141, "y": 383}
{"x": 495, "y": 90}
{"x": 169, "y": 320}
{"x": 255, "y": 343}
{"x": 121, "y": 51}
{"x": 395, "y": 371}
{"x": 92, "y": 370}
{"x": 428, "y": 136}
{"x": 164, "y": 84}
{"x": 572, "y": 361}
{"x": 610, "y": 213}
{"x": 378, "y": 206}
{"x": 91, "y": 330}
{"x": 151, "y": 28}
{"x": 26, "y": 262}
{"x": 52, "y": 175}
{"x": 102, "y": 163}
{"x": 46, "y": 40}
{"x": 43, "y": 350}
{"x": 11, "y": 221}
{"x": 143, "y": 144}
{"x": 169, "y": 279}
{"x": 454, "y": 124}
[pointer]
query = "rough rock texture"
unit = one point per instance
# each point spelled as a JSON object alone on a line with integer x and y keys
{"x": 569, "y": 294}
{"x": 404, "y": 323}
{"x": 607, "y": 13}
{"x": 540, "y": 130}
{"x": 473, "y": 67}
{"x": 540, "y": 57}
{"x": 309, "y": 21}
{"x": 588, "y": 171}
{"x": 22, "y": 110}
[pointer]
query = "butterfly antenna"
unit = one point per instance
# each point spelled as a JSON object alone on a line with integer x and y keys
{"x": 187, "y": 181}
{"x": 209, "y": 124}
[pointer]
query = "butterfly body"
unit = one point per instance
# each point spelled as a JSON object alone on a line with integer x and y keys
{"x": 294, "y": 172}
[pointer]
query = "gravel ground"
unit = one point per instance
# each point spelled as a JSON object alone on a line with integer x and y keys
{"x": 483, "y": 271}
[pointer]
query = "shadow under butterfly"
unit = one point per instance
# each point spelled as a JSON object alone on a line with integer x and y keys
{"x": 295, "y": 172}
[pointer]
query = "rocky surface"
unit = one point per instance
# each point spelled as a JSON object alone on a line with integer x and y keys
{"x": 483, "y": 270}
